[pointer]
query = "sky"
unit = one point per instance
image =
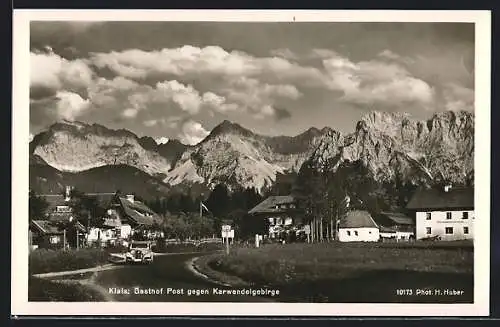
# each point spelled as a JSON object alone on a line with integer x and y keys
{"x": 180, "y": 79}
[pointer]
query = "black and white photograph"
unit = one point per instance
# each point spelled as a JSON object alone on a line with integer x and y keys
{"x": 245, "y": 160}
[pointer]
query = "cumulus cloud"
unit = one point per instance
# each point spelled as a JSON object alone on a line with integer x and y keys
{"x": 190, "y": 61}
{"x": 284, "y": 53}
{"x": 150, "y": 122}
{"x": 192, "y": 132}
{"x": 130, "y": 112}
{"x": 257, "y": 97}
{"x": 171, "y": 92}
{"x": 70, "y": 105}
{"x": 170, "y": 85}
{"x": 52, "y": 72}
{"x": 383, "y": 79}
{"x": 392, "y": 56}
{"x": 374, "y": 81}
{"x": 457, "y": 97}
{"x": 161, "y": 140}
{"x": 185, "y": 96}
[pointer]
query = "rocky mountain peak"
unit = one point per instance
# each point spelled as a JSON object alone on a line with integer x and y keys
{"x": 228, "y": 127}
{"x": 77, "y": 146}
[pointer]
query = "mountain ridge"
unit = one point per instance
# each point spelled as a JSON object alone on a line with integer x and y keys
{"x": 390, "y": 145}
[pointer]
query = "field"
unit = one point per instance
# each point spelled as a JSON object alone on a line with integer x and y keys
{"x": 43, "y": 261}
{"x": 357, "y": 272}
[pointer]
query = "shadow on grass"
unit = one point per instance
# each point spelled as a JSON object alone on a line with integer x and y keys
{"x": 40, "y": 290}
{"x": 384, "y": 286}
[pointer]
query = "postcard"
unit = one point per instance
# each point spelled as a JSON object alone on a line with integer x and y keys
{"x": 255, "y": 163}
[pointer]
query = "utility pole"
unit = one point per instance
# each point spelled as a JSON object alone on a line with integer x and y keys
{"x": 64, "y": 239}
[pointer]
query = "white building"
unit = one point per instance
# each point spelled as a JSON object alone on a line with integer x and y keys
{"x": 447, "y": 213}
{"x": 358, "y": 226}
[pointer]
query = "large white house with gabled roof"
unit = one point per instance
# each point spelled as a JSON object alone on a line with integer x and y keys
{"x": 446, "y": 214}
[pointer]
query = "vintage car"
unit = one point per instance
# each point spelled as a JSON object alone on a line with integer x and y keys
{"x": 139, "y": 252}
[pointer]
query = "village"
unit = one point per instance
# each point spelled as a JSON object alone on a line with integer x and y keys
{"x": 445, "y": 214}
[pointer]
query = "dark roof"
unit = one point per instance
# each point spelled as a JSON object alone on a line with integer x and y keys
{"x": 60, "y": 217}
{"x": 55, "y": 200}
{"x": 269, "y": 204}
{"x": 398, "y": 218}
{"x": 385, "y": 229}
{"x": 357, "y": 219}
{"x": 50, "y": 227}
{"x": 439, "y": 199}
{"x": 46, "y": 227}
{"x": 139, "y": 212}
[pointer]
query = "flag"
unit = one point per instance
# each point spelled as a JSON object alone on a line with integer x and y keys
{"x": 204, "y": 206}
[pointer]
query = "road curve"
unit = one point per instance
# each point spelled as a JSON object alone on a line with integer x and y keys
{"x": 169, "y": 279}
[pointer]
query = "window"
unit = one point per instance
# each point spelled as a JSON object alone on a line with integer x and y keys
{"x": 348, "y": 233}
{"x": 465, "y": 215}
{"x": 428, "y": 215}
{"x": 428, "y": 230}
{"x": 54, "y": 239}
{"x": 448, "y": 230}
{"x": 466, "y": 230}
{"x": 448, "y": 215}
{"x": 62, "y": 209}
{"x": 356, "y": 232}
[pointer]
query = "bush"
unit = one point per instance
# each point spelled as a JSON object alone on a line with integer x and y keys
{"x": 163, "y": 247}
{"x": 43, "y": 260}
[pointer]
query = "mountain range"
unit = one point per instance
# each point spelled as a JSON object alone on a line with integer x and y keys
{"x": 391, "y": 145}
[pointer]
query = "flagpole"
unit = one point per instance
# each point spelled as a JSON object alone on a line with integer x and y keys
{"x": 201, "y": 210}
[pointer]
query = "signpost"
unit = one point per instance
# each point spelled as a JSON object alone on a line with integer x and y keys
{"x": 227, "y": 232}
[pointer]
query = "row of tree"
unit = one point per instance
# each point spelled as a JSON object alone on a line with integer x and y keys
{"x": 326, "y": 194}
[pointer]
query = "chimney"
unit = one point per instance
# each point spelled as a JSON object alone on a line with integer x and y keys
{"x": 447, "y": 188}
{"x": 130, "y": 198}
{"x": 68, "y": 193}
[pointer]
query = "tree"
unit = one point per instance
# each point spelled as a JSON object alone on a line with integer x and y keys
{"x": 307, "y": 190}
{"x": 186, "y": 204}
{"x": 37, "y": 206}
{"x": 86, "y": 209}
{"x": 252, "y": 197}
{"x": 174, "y": 203}
{"x": 218, "y": 201}
{"x": 283, "y": 184}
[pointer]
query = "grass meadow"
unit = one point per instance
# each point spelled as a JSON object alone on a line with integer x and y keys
{"x": 357, "y": 272}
